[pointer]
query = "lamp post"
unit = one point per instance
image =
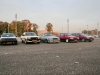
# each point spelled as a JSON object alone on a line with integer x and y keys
{"x": 62, "y": 29}
{"x": 67, "y": 25}
{"x": 16, "y": 24}
{"x": 8, "y": 27}
{"x": 87, "y": 29}
{"x": 97, "y": 28}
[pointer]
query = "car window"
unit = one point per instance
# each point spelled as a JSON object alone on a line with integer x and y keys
{"x": 41, "y": 35}
{"x": 58, "y": 34}
{"x": 8, "y": 35}
{"x": 76, "y": 34}
{"x": 67, "y": 34}
{"x": 49, "y": 34}
{"x": 61, "y": 34}
{"x": 30, "y": 34}
{"x": 83, "y": 34}
{"x": 73, "y": 34}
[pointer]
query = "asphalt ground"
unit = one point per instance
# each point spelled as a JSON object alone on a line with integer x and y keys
{"x": 82, "y": 58}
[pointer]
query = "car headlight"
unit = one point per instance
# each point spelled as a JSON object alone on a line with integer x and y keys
{"x": 49, "y": 39}
{"x": 38, "y": 37}
{"x": 28, "y": 38}
{"x": 58, "y": 38}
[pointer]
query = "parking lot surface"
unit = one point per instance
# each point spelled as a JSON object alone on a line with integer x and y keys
{"x": 82, "y": 58}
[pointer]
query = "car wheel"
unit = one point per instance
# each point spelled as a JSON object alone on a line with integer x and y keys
{"x": 38, "y": 42}
{"x": 90, "y": 41}
{"x": 46, "y": 41}
{"x": 83, "y": 40}
{"x": 2, "y": 43}
{"x": 16, "y": 43}
{"x": 22, "y": 41}
{"x": 25, "y": 42}
{"x": 67, "y": 40}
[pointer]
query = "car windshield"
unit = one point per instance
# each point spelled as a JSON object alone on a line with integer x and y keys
{"x": 48, "y": 34}
{"x": 8, "y": 35}
{"x": 30, "y": 34}
{"x": 83, "y": 35}
{"x": 67, "y": 34}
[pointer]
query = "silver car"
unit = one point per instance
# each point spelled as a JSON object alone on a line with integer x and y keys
{"x": 49, "y": 38}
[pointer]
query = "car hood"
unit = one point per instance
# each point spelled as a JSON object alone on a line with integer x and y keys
{"x": 31, "y": 36}
{"x": 71, "y": 36}
{"x": 7, "y": 37}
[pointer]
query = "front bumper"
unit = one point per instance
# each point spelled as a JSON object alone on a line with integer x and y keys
{"x": 53, "y": 41}
{"x": 8, "y": 41}
{"x": 34, "y": 41}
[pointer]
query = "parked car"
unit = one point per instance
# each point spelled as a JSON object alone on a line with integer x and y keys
{"x": 31, "y": 37}
{"x": 49, "y": 38}
{"x": 83, "y": 37}
{"x": 67, "y": 37}
{"x": 8, "y": 38}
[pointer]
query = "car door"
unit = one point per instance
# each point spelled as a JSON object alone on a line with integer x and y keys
{"x": 62, "y": 36}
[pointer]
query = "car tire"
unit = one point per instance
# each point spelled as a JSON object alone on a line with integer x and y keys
{"x": 90, "y": 41}
{"x": 46, "y": 41}
{"x": 16, "y": 43}
{"x": 22, "y": 41}
{"x": 67, "y": 40}
{"x": 83, "y": 40}
{"x": 25, "y": 42}
{"x": 38, "y": 42}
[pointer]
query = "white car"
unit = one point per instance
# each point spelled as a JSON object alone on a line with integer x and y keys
{"x": 27, "y": 37}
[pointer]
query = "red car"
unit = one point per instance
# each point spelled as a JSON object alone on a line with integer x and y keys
{"x": 67, "y": 37}
{"x": 83, "y": 37}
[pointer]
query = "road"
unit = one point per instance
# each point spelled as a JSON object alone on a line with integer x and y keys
{"x": 82, "y": 58}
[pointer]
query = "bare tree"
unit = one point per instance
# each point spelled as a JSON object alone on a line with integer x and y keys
{"x": 49, "y": 27}
{"x": 35, "y": 27}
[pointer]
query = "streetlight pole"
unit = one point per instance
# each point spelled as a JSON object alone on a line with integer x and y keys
{"x": 68, "y": 25}
{"x": 8, "y": 27}
{"x": 16, "y": 24}
{"x": 62, "y": 29}
{"x": 87, "y": 29}
{"x": 97, "y": 28}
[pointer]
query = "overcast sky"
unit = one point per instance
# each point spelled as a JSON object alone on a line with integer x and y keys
{"x": 79, "y": 12}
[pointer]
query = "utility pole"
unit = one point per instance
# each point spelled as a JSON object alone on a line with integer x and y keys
{"x": 67, "y": 25}
{"x": 16, "y": 24}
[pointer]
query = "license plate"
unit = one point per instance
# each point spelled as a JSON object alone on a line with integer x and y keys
{"x": 9, "y": 42}
{"x": 75, "y": 40}
{"x": 71, "y": 38}
{"x": 34, "y": 40}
